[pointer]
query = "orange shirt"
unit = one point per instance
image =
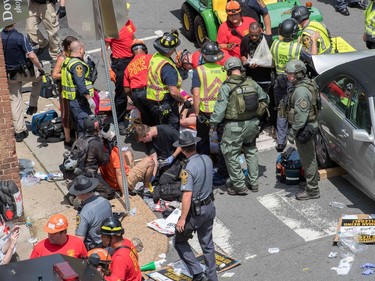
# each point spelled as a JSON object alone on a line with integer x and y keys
{"x": 73, "y": 247}
{"x": 225, "y": 36}
{"x": 121, "y": 47}
{"x": 135, "y": 75}
{"x": 108, "y": 171}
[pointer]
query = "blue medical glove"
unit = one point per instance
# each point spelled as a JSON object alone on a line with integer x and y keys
{"x": 170, "y": 159}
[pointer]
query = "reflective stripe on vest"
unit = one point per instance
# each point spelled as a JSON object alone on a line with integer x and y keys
{"x": 211, "y": 76}
{"x": 69, "y": 89}
{"x": 370, "y": 20}
{"x": 156, "y": 89}
{"x": 283, "y": 52}
{"x": 325, "y": 46}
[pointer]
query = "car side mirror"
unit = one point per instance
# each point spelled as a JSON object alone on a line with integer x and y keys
{"x": 362, "y": 135}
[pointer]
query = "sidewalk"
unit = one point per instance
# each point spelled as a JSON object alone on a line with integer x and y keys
{"x": 46, "y": 198}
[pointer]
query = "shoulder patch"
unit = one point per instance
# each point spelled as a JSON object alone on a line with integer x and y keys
{"x": 184, "y": 177}
{"x": 303, "y": 104}
{"x": 79, "y": 70}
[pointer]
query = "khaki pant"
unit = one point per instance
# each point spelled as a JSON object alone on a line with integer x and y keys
{"x": 138, "y": 172}
{"x": 15, "y": 90}
{"x": 46, "y": 14}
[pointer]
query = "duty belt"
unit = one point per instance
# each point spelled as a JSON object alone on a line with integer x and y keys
{"x": 208, "y": 200}
{"x": 136, "y": 90}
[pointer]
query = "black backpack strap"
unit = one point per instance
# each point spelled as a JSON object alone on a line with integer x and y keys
{"x": 127, "y": 247}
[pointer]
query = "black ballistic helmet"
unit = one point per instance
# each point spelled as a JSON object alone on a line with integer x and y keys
{"x": 300, "y": 13}
{"x": 211, "y": 51}
{"x": 167, "y": 43}
{"x": 91, "y": 124}
{"x": 288, "y": 28}
{"x": 112, "y": 227}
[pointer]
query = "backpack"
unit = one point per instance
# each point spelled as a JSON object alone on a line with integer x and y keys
{"x": 289, "y": 169}
{"x": 51, "y": 130}
{"x": 48, "y": 89}
{"x": 10, "y": 200}
{"x": 169, "y": 185}
{"x": 74, "y": 160}
{"x": 37, "y": 120}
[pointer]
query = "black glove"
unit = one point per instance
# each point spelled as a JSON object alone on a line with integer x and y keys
{"x": 187, "y": 104}
{"x": 61, "y": 12}
{"x": 41, "y": 71}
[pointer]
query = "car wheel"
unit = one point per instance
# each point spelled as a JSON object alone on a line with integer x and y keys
{"x": 322, "y": 155}
{"x": 187, "y": 17}
{"x": 200, "y": 30}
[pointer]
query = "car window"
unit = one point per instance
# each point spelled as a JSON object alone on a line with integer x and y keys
{"x": 339, "y": 92}
{"x": 359, "y": 113}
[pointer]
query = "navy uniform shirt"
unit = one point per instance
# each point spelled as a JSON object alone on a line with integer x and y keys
{"x": 253, "y": 8}
{"x": 78, "y": 71}
{"x": 169, "y": 75}
{"x": 197, "y": 176}
{"x": 15, "y": 46}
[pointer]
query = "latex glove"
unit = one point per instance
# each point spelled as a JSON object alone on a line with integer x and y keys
{"x": 187, "y": 103}
{"x": 92, "y": 104}
{"x": 291, "y": 136}
{"x": 61, "y": 12}
{"x": 112, "y": 74}
{"x": 41, "y": 71}
{"x": 170, "y": 159}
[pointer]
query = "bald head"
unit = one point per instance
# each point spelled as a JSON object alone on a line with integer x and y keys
{"x": 77, "y": 49}
{"x": 254, "y": 32}
{"x": 255, "y": 27}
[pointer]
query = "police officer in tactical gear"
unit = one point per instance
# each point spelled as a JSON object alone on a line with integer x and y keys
{"x": 198, "y": 209}
{"x": 240, "y": 102}
{"x": 302, "y": 109}
{"x": 283, "y": 50}
{"x": 164, "y": 81}
{"x": 369, "y": 35}
{"x": 207, "y": 79}
{"x": 323, "y": 44}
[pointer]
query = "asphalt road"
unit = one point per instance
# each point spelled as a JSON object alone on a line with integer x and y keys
{"x": 250, "y": 225}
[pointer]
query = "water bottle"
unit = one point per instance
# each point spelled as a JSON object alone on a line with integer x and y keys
{"x": 243, "y": 164}
{"x": 337, "y": 205}
{"x": 28, "y": 222}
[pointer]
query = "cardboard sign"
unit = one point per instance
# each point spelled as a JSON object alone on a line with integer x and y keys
{"x": 362, "y": 224}
{"x": 13, "y": 11}
{"x": 178, "y": 271}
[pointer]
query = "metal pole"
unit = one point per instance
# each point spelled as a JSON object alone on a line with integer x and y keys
{"x": 115, "y": 121}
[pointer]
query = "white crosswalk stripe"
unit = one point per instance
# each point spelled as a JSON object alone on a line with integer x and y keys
{"x": 306, "y": 218}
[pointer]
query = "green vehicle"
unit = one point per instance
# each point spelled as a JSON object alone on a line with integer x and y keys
{"x": 202, "y": 18}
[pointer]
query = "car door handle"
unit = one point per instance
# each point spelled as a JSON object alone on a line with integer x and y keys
{"x": 343, "y": 134}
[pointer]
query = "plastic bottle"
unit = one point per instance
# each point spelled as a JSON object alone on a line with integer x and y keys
{"x": 337, "y": 205}
{"x": 28, "y": 222}
{"x": 243, "y": 164}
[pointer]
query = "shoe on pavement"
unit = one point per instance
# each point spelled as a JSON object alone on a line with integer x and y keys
{"x": 254, "y": 188}
{"x": 21, "y": 136}
{"x": 239, "y": 191}
{"x": 31, "y": 110}
{"x": 280, "y": 147}
{"x": 302, "y": 184}
{"x": 305, "y": 196}
{"x": 200, "y": 277}
{"x": 358, "y": 5}
{"x": 41, "y": 49}
{"x": 343, "y": 11}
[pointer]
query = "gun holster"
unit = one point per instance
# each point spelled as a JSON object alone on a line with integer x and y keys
{"x": 196, "y": 207}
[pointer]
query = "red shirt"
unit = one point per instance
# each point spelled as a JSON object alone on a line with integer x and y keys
{"x": 224, "y": 35}
{"x": 121, "y": 47}
{"x": 108, "y": 171}
{"x": 135, "y": 75}
{"x": 73, "y": 247}
{"x": 124, "y": 265}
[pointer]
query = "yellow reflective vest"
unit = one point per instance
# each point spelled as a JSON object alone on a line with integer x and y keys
{"x": 69, "y": 89}
{"x": 211, "y": 76}
{"x": 370, "y": 20}
{"x": 324, "y": 46}
{"x": 156, "y": 89}
{"x": 283, "y": 52}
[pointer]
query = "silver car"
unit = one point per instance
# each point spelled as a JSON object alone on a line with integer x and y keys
{"x": 347, "y": 119}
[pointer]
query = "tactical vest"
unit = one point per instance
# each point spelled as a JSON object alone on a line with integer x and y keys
{"x": 325, "y": 46}
{"x": 243, "y": 100}
{"x": 370, "y": 20}
{"x": 313, "y": 89}
{"x": 69, "y": 89}
{"x": 211, "y": 76}
{"x": 156, "y": 89}
{"x": 283, "y": 52}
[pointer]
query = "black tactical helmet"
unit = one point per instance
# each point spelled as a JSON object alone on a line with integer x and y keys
{"x": 211, "y": 51}
{"x": 300, "y": 13}
{"x": 91, "y": 124}
{"x": 288, "y": 28}
{"x": 112, "y": 227}
{"x": 167, "y": 43}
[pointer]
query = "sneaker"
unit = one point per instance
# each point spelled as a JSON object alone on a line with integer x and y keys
{"x": 254, "y": 188}
{"x": 240, "y": 191}
{"x": 302, "y": 185}
{"x": 41, "y": 49}
{"x": 31, "y": 110}
{"x": 200, "y": 277}
{"x": 358, "y": 5}
{"x": 280, "y": 147}
{"x": 343, "y": 11}
{"x": 21, "y": 136}
{"x": 305, "y": 196}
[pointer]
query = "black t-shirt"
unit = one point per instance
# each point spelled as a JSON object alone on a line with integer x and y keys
{"x": 247, "y": 48}
{"x": 163, "y": 143}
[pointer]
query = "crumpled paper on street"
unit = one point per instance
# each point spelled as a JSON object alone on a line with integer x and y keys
{"x": 166, "y": 226}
